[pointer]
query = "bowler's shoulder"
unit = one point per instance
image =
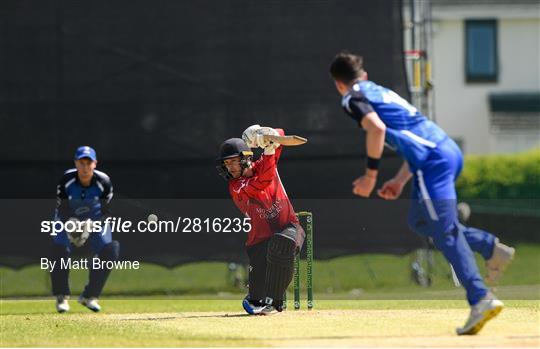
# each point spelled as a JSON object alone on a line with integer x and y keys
{"x": 355, "y": 94}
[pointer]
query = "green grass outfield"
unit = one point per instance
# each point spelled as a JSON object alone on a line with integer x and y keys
{"x": 364, "y": 300}
{"x": 357, "y": 276}
{"x": 169, "y": 322}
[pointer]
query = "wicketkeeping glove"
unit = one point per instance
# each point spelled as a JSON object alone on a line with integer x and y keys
{"x": 79, "y": 237}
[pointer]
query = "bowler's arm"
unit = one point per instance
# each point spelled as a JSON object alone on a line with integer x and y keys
{"x": 375, "y": 134}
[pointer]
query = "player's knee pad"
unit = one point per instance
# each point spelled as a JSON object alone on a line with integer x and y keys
{"x": 280, "y": 266}
{"x": 290, "y": 232}
{"x": 110, "y": 252}
{"x": 281, "y": 250}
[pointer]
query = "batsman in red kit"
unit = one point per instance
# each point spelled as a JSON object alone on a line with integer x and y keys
{"x": 276, "y": 235}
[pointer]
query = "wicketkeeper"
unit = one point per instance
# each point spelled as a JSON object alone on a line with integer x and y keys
{"x": 276, "y": 235}
{"x": 434, "y": 161}
{"x": 83, "y": 194}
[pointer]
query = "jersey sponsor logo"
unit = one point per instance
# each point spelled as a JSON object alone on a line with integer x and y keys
{"x": 271, "y": 212}
{"x": 81, "y": 210}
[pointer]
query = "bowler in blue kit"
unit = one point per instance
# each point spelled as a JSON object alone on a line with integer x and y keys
{"x": 434, "y": 161}
{"x": 83, "y": 195}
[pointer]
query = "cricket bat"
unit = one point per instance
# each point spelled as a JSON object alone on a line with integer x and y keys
{"x": 286, "y": 140}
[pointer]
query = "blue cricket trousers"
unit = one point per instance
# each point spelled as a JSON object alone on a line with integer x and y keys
{"x": 434, "y": 213}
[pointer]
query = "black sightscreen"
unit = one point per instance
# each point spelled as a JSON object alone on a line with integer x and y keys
{"x": 156, "y": 86}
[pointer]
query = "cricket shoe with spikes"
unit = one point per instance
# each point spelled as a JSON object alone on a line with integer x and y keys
{"x": 62, "y": 304}
{"x": 91, "y": 303}
{"x": 482, "y": 312}
{"x": 500, "y": 259}
{"x": 252, "y": 307}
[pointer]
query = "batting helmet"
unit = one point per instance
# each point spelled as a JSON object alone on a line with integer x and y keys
{"x": 231, "y": 148}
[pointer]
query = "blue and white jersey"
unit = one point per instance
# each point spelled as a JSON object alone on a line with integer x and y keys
{"x": 75, "y": 200}
{"x": 408, "y": 132}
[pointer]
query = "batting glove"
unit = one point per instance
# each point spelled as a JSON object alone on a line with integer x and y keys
{"x": 263, "y": 131}
{"x": 250, "y": 135}
{"x": 271, "y": 149}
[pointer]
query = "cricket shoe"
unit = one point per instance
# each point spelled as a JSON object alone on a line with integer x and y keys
{"x": 252, "y": 307}
{"x": 91, "y": 303}
{"x": 485, "y": 310}
{"x": 502, "y": 256}
{"x": 62, "y": 304}
{"x": 269, "y": 310}
{"x": 270, "y": 307}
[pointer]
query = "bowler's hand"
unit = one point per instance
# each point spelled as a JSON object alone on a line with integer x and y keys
{"x": 391, "y": 189}
{"x": 363, "y": 186}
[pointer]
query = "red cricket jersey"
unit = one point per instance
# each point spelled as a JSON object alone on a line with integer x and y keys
{"x": 262, "y": 198}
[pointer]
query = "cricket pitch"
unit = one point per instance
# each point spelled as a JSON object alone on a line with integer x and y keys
{"x": 220, "y": 323}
